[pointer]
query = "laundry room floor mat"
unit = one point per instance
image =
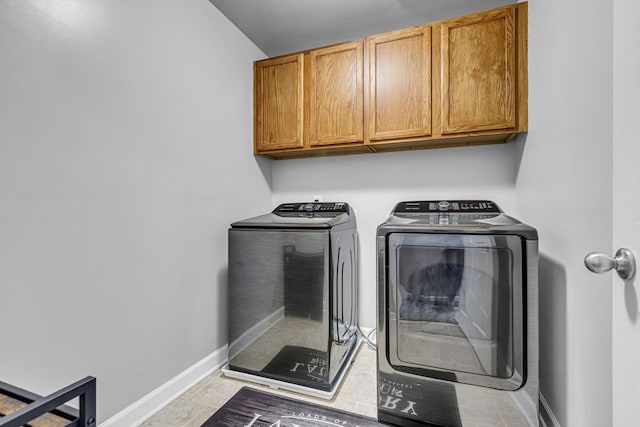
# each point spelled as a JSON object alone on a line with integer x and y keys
{"x": 254, "y": 408}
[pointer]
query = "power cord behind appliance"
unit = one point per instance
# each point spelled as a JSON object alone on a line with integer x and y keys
{"x": 368, "y": 337}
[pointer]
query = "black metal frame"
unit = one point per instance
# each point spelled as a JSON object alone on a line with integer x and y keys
{"x": 54, "y": 403}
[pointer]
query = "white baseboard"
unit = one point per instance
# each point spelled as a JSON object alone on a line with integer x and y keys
{"x": 547, "y": 417}
{"x": 255, "y": 332}
{"x": 139, "y": 411}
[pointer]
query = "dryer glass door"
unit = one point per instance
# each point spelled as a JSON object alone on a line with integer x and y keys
{"x": 455, "y": 306}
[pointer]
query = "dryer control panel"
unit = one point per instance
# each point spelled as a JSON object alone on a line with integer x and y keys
{"x": 450, "y": 206}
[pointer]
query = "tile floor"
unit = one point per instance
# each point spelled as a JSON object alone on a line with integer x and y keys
{"x": 357, "y": 393}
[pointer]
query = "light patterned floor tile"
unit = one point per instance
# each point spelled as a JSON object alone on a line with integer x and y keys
{"x": 356, "y": 394}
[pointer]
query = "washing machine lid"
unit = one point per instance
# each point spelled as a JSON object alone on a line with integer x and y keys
{"x": 302, "y": 215}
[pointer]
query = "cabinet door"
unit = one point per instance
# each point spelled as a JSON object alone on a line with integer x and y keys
{"x": 336, "y": 95}
{"x": 479, "y": 72}
{"x": 399, "y": 96}
{"x": 279, "y": 103}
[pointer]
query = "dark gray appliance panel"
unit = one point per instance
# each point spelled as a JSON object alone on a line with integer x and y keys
{"x": 276, "y": 274}
{"x": 292, "y": 297}
{"x": 345, "y": 297}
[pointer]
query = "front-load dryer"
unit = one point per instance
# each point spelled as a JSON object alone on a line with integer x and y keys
{"x": 457, "y": 316}
{"x": 292, "y": 297}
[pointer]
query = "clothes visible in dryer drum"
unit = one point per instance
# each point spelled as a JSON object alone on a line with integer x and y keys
{"x": 457, "y": 316}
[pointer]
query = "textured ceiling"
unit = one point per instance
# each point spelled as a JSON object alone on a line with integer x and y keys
{"x": 284, "y": 26}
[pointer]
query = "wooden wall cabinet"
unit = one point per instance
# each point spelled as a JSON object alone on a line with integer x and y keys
{"x": 399, "y": 93}
{"x": 335, "y": 95}
{"x": 278, "y": 103}
{"x": 310, "y": 103}
{"x": 460, "y": 81}
{"x": 479, "y": 72}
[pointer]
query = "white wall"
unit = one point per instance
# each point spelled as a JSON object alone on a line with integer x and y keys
{"x": 557, "y": 178}
{"x": 125, "y": 135}
{"x": 564, "y": 188}
{"x": 626, "y": 207}
{"x": 373, "y": 183}
{"x": 125, "y": 132}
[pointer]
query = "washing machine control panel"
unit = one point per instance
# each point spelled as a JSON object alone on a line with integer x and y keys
{"x": 315, "y": 208}
{"x": 449, "y": 206}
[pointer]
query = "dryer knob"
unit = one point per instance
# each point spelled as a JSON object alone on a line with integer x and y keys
{"x": 443, "y": 206}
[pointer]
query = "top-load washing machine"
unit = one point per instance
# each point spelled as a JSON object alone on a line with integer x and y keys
{"x": 292, "y": 297}
{"x": 457, "y": 316}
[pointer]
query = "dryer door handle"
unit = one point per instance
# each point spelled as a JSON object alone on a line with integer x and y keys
{"x": 624, "y": 263}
